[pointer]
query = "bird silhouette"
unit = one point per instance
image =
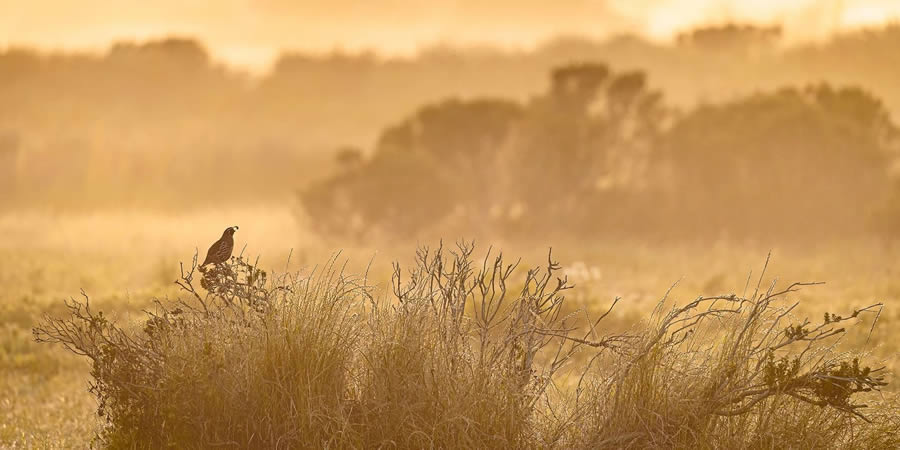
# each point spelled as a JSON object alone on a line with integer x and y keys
{"x": 220, "y": 251}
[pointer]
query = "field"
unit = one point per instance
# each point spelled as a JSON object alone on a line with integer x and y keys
{"x": 122, "y": 260}
{"x": 656, "y": 226}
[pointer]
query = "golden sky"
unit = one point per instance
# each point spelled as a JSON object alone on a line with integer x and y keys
{"x": 251, "y": 32}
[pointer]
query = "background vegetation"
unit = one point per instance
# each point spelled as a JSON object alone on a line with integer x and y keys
{"x": 142, "y": 122}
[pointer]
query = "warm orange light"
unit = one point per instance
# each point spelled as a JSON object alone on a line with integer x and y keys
{"x": 251, "y": 33}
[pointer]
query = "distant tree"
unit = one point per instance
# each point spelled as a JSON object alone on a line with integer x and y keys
{"x": 591, "y": 134}
{"x": 454, "y": 131}
{"x": 577, "y": 85}
{"x": 184, "y": 51}
{"x": 18, "y": 64}
{"x": 798, "y": 161}
{"x": 493, "y": 164}
{"x": 424, "y": 169}
{"x": 348, "y": 157}
{"x": 732, "y": 38}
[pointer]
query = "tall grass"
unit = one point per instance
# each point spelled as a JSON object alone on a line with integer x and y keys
{"x": 469, "y": 353}
{"x": 736, "y": 372}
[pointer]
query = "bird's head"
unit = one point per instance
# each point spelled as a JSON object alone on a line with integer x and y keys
{"x": 230, "y": 231}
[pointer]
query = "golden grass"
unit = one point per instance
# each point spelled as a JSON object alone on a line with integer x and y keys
{"x": 123, "y": 259}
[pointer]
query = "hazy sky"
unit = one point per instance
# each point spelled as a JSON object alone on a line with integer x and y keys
{"x": 250, "y": 32}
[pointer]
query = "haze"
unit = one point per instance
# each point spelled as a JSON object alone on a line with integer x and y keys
{"x": 251, "y": 33}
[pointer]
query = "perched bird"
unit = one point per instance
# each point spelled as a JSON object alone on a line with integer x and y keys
{"x": 220, "y": 251}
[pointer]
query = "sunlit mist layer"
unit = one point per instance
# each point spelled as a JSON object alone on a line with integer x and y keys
{"x": 250, "y": 34}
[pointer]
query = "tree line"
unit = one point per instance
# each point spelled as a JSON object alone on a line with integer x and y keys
{"x": 142, "y": 123}
{"x": 600, "y": 152}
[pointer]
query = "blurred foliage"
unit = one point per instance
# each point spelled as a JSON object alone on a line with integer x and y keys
{"x": 142, "y": 122}
{"x": 810, "y": 161}
{"x": 600, "y": 153}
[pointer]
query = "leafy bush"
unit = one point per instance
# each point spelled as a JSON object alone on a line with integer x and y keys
{"x": 468, "y": 354}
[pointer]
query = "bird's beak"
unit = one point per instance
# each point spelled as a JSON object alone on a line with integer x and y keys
{"x": 235, "y": 227}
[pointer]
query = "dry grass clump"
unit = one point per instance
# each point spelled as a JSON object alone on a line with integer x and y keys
{"x": 252, "y": 363}
{"x": 462, "y": 359}
{"x": 736, "y": 372}
{"x": 469, "y": 354}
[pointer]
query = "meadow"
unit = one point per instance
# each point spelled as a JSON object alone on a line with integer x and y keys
{"x": 123, "y": 260}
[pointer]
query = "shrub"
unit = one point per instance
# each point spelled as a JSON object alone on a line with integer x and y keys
{"x": 468, "y": 354}
{"x": 734, "y": 372}
{"x": 460, "y": 360}
{"x": 251, "y": 363}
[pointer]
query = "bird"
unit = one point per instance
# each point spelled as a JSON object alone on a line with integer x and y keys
{"x": 220, "y": 251}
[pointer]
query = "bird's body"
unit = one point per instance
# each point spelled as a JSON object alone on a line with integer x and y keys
{"x": 221, "y": 250}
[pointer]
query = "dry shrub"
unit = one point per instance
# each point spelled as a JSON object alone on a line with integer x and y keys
{"x": 253, "y": 363}
{"x": 735, "y": 372}
{"x": 462, "y": 359}
{"x": 468, "y": 354}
